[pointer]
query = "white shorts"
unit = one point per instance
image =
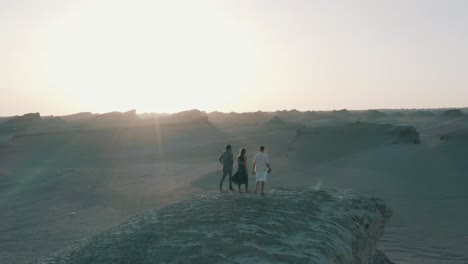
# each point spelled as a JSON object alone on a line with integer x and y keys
{"x": 261, "y": 175}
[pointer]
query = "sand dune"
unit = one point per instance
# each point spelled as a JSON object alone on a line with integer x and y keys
{"x": 104, "y": 145}
{"x": 332, "y": 142}
{"x": 68, "y": 182}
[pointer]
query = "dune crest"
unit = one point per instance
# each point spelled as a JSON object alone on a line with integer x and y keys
{"x": 287, "y": 226}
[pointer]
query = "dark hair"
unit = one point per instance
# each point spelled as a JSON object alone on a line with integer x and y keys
{"x": 242, "y": 154}
{"x": 228, "y": 146}
{"x": 262, "y": 148}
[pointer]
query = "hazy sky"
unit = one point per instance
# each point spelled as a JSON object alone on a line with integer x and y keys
{"x": 59, "y": 57}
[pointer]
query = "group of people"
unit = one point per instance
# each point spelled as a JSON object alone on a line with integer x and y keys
{"x": 260, "y": 168}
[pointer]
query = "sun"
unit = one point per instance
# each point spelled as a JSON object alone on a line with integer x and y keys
{"x": 150, "y": 55}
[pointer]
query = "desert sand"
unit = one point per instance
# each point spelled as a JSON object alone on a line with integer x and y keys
{"x": 68, "y": 178}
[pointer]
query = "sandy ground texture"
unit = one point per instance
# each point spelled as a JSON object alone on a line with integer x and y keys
{"x": 285, "y": 226}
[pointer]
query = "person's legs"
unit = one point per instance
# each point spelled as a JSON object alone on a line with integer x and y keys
{"x": 263, "y": 186}
{"x": 256, "y": 186}
{"x": 238, "y": 185}
{"x": 222, "y": 180}
{"x": 230, "y": 180}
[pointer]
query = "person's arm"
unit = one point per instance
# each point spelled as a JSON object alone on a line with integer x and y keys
{"x": 268, "y": 164}
{"x": 246, "y": 167}
{"x": 221, "y": 159}
{"x": 231, "y": 158}
{"x": 253, "y": 165}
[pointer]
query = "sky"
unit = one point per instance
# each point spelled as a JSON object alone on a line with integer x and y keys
{"x": 62, "y": 56}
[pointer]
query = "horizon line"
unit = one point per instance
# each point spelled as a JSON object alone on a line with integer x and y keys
{"x": 246, "y": 112}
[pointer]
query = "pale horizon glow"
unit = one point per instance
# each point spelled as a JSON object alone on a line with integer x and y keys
{"x": 63, "y": 57}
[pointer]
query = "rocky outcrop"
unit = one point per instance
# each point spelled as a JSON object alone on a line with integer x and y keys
{"x": 373, "y": 114}
{"x": 53, "y": 120}
{"x": 453, "y": 113}
{"x": 191, "y": 116}
{"x": 343, "y": 113}
{"x": 19, "y": 124}
{"x": 275, "y": 122}
{"x": 111, "y": 119}
{"x": 116, "y": 116}
{"x": 31, "y": 123}
{"x": 152, "y": 116}
{"x": 289, "y": 116}
{"x": 286, "y": 226}
{"x": 78, "y": 117}
{"x": 25, "y": 120}
{"x": 405, "y": 135}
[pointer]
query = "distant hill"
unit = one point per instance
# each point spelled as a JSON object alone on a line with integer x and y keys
{"x": 275, "y": 122}
{"x": 78, "y": 117}
{"x": 373, "y": 114}
{"x": 111, "y": 119}
{"x": 25, "y": 120}
{"x": 234, "y": 119}
{"x": 185, "y": 117}
{"x": 344, "y": 113}
{"x": 53, "y": 120}
{"x": 115, "y": 116}
{"x": 30, "y": 124}
{"x": 151, "y": 115}
{"x": 453, "y": 113}
{"x": 421, "y": 113}
{"x": 326, "y": 143}
{"x": 18, "y": 124}
{"x": 6, "y": 118}
{"x": 291, "y": 116}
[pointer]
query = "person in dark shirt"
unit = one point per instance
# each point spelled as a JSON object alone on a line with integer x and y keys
{"x": 227, "y": 159}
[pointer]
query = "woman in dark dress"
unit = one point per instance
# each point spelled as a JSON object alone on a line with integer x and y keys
{"x": 241, "y": 176}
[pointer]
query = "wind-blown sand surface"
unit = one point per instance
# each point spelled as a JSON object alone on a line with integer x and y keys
{"x": 80, "y": 179}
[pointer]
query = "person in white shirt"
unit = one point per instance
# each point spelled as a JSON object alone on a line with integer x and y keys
{"x": 261, "y": 168}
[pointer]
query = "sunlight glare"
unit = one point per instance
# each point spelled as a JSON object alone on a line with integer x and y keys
{"x": 152, "y": 55}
